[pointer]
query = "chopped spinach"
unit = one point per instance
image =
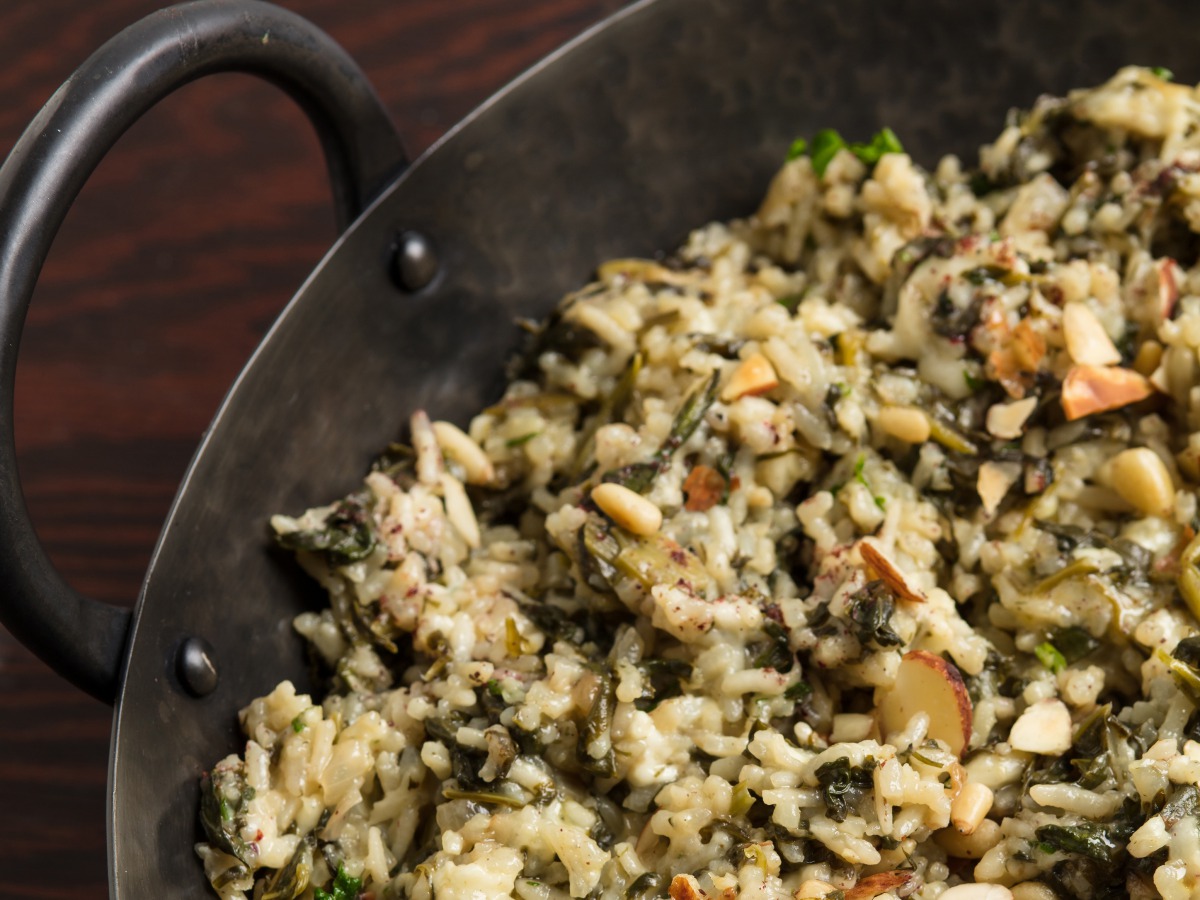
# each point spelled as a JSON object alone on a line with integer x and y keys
{"x": 775, "y": 652}
{"x": 224, "y": 801}
{"x": 596, "y": 725}
{"x": 1088, "y": 839}
{"x": 843, "y": 785}
{"x": 871, "y": 608}
{"x": 346, "y": 536}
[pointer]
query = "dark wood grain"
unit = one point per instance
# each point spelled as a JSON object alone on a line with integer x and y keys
{"x": 181, "y": 250}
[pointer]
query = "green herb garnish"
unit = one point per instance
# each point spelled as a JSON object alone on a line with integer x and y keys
{"x": 344, "y": 888}
{"x": 1050, "y": 657}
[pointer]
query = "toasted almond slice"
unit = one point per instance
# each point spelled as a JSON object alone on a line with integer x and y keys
{"x": 754, "y": 375}
{"x": 879, "y": 566}
{"x": 929, "y": 684}
{"x": 900, "y": 882}
{"x": 685, "y": 887}
{"x": 1006, "y": 420}
{"x": 1087, "y": 341}
{"x": 994, "y": 482}
{"x": 813, "y": 889}
{"x": 1092, "y": 389}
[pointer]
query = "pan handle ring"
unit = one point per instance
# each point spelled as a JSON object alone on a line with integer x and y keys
{"x": 84, "y": 640}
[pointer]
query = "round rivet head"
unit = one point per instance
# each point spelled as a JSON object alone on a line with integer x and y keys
{"x": 414, "y": 263}
{"x": 195, "y": 667}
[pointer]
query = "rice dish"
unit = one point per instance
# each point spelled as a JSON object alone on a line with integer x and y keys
{"x": 848, "y": 551}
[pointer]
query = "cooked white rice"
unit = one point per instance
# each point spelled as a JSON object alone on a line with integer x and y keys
{"x": 849, "y": 551}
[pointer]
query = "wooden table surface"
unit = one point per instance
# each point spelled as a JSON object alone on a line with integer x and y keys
{"x": 182, "y": 248}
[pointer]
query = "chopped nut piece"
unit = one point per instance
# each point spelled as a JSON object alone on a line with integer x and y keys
{"x": 994, "y": 481}
{"x": 458, "y": 446}
{"x": 1093, "y": 389}
{"x": 882, "y": 567}
{"x": 1045, "y": 727}
{"x": 754, "y": 375}
{"x": 1141, "y": 479}
{"x": 971, "y": 806}
{"x": 1087, "y": 341}
{"x": 1005, "y": 420}
{"x": 685, "y": 887}
{"x": 627, "y": 508}
{"x": 704, "y": 488}
{"x": 904, "y": 422}
{"x": 1028, "y": 347}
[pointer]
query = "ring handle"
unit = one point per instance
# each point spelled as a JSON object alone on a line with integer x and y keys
{"x": 82, "y": 639}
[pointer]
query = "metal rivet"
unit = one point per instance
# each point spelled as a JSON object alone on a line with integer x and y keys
{"x": 195, "y": 667}
{"x": 414, "y": 263}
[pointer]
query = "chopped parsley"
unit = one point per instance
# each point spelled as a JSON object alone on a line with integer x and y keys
{"x": 826, "y": 143}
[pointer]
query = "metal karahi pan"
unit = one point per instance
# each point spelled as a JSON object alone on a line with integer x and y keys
{"x": 671, "y": 113}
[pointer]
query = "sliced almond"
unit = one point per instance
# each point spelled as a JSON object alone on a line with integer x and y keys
{"x": 929, "y": 684}
{"x": 685, "y": 887}
{"x": 900, "y": 882}
{"x": 1006, "y": 420}
{"x": 754, "y": 375}
{"x": 1045, "y": 727}
{"x": 1093, "y": 389}
{"x": 879, "y": 566}
{"x": 1087, "y": 341}
{"x": 994, "y": 482}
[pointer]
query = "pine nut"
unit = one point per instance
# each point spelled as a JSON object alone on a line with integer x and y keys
{"x": 456, "y": 444}
{"x": 754, "y": 375}
{"x": 1005, "y": 420}
{"x": 969, "y": 846}
{"x": 1087, "y": 342}
{"x": 814, "y": 889}
{"x": 905, "y": 423}
{"x": 459, "y": 510}
{"x": 1141, "y": 478}
{"x": 1032, "y": 890}
{"x": 971, "y": 806}
{"x": 627, "y": 508}
{"x": 976, "y": 892}
{"x": 1149, "y": 355}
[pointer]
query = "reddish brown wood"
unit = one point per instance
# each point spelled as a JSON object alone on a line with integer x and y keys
{"x": 181, "y": 250}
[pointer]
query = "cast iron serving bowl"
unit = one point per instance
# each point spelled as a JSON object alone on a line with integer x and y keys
{"x": 671, "y": 113}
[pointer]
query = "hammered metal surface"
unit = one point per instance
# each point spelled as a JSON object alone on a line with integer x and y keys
{"x": 676, "y": 113}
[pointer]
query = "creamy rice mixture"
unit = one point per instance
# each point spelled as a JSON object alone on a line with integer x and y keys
{"x": 849, "y": 551}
